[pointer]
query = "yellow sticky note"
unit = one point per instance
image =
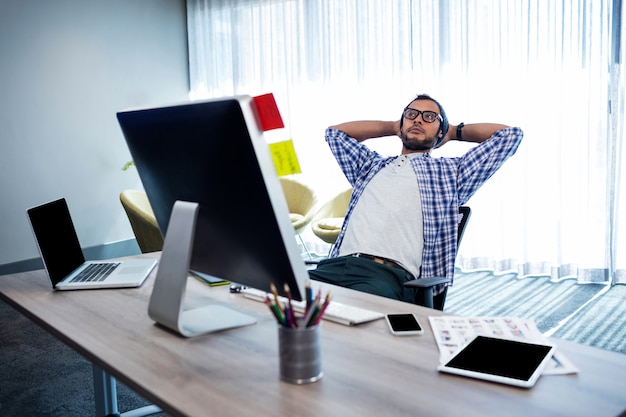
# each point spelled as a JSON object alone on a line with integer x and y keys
{"x": 285, "y": 159}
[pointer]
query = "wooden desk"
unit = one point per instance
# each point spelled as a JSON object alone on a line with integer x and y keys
{"x": 368, "y": 372}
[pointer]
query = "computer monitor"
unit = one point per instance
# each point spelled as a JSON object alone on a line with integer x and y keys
{"x": 213, "y": 153}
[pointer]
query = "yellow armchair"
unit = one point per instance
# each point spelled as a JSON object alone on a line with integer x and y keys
{"x": 327, "y": 222}
{"x": 301, "y": 202}
{"x": 142, "y": 220}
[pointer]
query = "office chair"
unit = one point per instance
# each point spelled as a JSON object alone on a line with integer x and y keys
{"x": 142, "y": 220}
{"x": 301, "y": 201}
{"x": 424, "y": 286}
{"x": 327, "y": 221}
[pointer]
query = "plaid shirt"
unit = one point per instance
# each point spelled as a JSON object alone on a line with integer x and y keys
{"x": 444, "y": 185}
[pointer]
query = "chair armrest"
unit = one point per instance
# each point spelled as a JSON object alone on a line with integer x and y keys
{"x": 426, "y": 282}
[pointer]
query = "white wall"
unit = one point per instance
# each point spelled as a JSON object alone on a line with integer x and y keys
{"x": 66, "y": 68}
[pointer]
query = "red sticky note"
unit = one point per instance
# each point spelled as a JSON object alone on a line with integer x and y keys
{"x": 268, "y": 112}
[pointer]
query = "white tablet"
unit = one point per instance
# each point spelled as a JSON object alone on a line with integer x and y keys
{"x": 507, "y": 361}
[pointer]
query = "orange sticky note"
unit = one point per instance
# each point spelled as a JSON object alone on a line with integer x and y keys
{"x": 285, "y": 159}
{"x": 268, "y": 112}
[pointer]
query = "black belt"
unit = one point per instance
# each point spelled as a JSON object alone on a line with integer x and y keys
{"x": 379, "y": 260}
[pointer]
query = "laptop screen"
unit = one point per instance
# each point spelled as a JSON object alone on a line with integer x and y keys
{"x": 56, "y": 238}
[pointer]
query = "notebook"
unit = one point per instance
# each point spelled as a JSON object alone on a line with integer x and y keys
{"x": 63, "y": 257}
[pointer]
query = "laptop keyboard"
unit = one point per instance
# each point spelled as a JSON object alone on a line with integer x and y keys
{"x": 95, "y": 272}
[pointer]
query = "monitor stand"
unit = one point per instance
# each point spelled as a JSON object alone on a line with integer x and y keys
{"x": 168, "y": 293}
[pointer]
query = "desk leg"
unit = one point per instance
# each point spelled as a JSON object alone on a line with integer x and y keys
{"x": 105, "y": 393}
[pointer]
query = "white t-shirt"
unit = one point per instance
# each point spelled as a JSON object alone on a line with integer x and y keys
{"x": 387, "y": 220}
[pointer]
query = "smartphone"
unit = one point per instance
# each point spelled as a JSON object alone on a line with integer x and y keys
{"x": 403, "y": 324}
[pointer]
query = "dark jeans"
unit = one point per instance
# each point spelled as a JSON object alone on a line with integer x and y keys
{"x": 365, "y": 275}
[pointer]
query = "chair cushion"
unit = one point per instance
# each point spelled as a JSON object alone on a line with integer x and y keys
{"x": 295, "y": 217}
{"x": 330, "y": 223}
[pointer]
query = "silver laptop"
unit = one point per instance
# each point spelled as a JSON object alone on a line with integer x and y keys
{"x": 63, "y": 257}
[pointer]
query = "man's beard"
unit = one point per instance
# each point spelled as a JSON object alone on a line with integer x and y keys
{"x": 425, "y": 144}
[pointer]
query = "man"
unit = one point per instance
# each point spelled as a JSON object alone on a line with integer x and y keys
{"x": 402, "y": 220}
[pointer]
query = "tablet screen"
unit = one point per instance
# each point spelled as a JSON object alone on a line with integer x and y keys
{"x": 501, "y": 360}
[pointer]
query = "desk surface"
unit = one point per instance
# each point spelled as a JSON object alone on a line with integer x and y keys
{"x": 367, "y": 371}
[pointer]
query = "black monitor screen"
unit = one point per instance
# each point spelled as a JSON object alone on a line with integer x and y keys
{"x": 213, "y": 153}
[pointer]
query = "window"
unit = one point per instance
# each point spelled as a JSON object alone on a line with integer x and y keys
{"x": 552, "y": 67}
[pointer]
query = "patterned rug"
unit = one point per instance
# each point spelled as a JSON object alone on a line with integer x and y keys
{"x": 592, "y": 314}
{"x": 601, "y": 323}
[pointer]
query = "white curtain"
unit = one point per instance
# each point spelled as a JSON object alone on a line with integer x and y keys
{"x": 553, "y": 67}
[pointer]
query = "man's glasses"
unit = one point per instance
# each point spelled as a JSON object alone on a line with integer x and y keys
{"x": 427, "y": 115}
